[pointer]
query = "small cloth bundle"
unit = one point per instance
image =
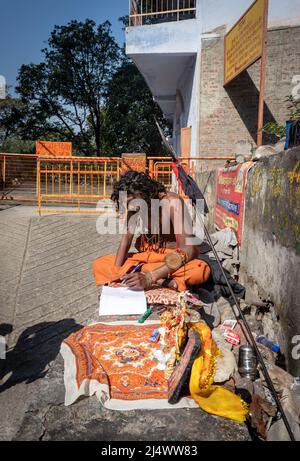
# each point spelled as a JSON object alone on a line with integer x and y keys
{"x": 174, "y": 335}
{"x": 169, "y": 297}
{"x": 162, "y": 296}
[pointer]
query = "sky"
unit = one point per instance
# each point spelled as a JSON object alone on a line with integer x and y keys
{"x": 25, "y": 26}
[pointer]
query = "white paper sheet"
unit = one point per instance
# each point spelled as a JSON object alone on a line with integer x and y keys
{"x": 122, "y": 301}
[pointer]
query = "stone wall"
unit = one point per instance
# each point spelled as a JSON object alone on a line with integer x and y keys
{"x": 229, "y": 115}
{"x": 270, "y": 255}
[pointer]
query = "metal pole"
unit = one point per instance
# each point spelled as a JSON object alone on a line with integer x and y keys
{"x": 71, "y": 178}
{"x": 4, "y": 175}
{"x": 78, "y": 184}
{"x": 38, "y": 172}
{"x": 104, "y": 179}
{"x": 262, "y": 77}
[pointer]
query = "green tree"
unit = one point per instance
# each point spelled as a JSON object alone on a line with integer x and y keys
{"x": 9, "y": 118}
{"x": 65, "y": 94}
{"x": 129, "y": 114}
{"x": 12, "y": 118}
{"x": 85, "y": 91}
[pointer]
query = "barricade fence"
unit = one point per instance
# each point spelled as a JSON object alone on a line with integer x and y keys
{"x": 18, "y": 177}
{"x": 78, "y": 184}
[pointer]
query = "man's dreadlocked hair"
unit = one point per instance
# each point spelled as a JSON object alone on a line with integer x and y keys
{"x": 133, "y": 182}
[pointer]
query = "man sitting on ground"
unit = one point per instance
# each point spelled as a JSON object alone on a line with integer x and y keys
{"x": 167, "y": 249}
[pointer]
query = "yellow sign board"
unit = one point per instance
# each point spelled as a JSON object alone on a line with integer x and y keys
{"x": 244, "y": 42}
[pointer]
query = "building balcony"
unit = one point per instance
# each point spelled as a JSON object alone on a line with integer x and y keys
{"x": 145, "y": 12}
{"x": 163, "y": 40}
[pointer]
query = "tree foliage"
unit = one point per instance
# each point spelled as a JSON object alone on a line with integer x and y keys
{"x": 65, "y": 94}
{"x": 293, "y": 113}
{"x": 85, "y": 91}
{"x": 129, "y": 114}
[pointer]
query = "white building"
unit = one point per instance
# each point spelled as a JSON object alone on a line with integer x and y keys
{"x": 171, "y": 55}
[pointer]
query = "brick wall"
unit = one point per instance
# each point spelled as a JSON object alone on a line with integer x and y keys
{"x": 229, "y": 115}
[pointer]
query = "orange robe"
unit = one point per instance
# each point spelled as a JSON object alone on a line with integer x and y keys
{"x": 194, "y": 272}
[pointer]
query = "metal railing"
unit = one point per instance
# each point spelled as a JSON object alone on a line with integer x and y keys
{"x": 18, "y": 177}
{"x": 77, "y": 183}
{"x": 156, "y": 11}
{"x": 160, "y": 168}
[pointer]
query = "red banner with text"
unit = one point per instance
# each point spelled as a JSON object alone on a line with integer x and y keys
{"x": 230, "y": 198}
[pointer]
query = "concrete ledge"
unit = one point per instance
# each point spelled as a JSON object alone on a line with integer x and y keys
{"x": 171, "y": 37}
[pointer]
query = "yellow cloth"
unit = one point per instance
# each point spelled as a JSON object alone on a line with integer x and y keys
{"x": 213, "y": 399}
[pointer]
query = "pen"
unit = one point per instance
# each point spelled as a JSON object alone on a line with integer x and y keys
{"x": 135, "y": 269}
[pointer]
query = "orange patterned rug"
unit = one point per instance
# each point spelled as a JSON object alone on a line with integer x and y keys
{"x": 117, "y": 363}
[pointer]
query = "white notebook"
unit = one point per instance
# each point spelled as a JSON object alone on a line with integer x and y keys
{"x": 122, "y": 301}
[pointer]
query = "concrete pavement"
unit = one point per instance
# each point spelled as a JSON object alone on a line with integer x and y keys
{"x": 47, "y": 291}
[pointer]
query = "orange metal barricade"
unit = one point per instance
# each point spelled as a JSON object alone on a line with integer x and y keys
{"x": 18, "y": 177}
{"x": 77, "y": 184}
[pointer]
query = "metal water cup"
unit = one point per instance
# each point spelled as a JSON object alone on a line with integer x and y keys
{"x": 247, "y": 362}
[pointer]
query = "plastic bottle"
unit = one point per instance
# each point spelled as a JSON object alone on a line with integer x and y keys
{"x": 266, "y": 342}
